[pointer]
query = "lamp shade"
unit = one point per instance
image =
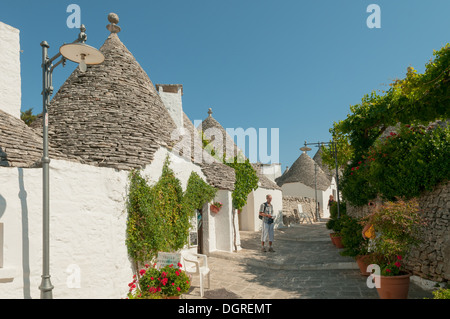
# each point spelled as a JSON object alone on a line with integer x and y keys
{"x": 78, "y": 52}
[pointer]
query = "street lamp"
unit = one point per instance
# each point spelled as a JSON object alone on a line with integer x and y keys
{"x": 83, "y": 54}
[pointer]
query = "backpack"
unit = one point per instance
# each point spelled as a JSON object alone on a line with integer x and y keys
{"x": 265, "y": 206}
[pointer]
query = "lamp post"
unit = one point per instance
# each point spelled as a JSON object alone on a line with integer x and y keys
{"x": 83, "y": 54}
{"x": 334, "y": 145}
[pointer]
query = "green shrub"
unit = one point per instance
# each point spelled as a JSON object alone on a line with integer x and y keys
{"x": 352, "y": 239}
{"x": 441, "y": 293}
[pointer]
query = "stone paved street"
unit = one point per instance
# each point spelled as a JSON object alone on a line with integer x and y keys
{"x": 305, "y": 265}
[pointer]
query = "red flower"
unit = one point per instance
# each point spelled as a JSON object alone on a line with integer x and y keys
{"x": 151, "y": 278}
{"x": 357, "y": 167}
{"x": 397, "y": 264}
{"x": 353, "y": 168}
{"x": 388, "y": 270}
{"x": 399, "y": 257}
{"x": 351, "y": 173}
{"x": 178, "y": 288}
{"x": 171, "y": 265}
{"x": 142, "y": 272}
{"x": 359, "y": 162}
{"x": 173, "y": 284}
{"x": 177, "y": 273}
{"x": 146, "y": 265}
{"x": 180, "y": 265}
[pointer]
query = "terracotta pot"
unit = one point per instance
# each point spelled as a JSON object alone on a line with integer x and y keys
{"x": 332, "y": 240}
{"x": 337, "y": 240}
{"x": 214, "y": 209}
{"x": 394, "y": 287}
{"x": 363, "y": 264}
{"x": 172, "y": 297}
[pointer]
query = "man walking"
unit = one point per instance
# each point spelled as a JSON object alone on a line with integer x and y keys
{"x": 266, "y": 214}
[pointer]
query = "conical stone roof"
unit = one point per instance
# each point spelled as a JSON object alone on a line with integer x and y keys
{"x": 217, "y": 174}
{"x": 228, "y": 144}
{"x": 111, "y": 115}
{"x": 302, "y": 171}
{"x": 212, "y": 129}
{"x": 318, "y": 159}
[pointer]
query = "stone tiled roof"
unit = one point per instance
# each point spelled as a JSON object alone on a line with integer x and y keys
{"x": 21, "y": 146}
{"x": 217, "y": 174}
{"x": 264, "y": 180}
{"x": 318, "y": 159}
{"x": 211, "y": 125}
{"x": 111, "y": 115}
{"x": 228, "y": 143}
{"x": 302, "y": 171}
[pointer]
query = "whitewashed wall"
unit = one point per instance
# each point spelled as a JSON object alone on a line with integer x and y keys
{"x": 87, "y": 228}
{"x": 10, "y": 82}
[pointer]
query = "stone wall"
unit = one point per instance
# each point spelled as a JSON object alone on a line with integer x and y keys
{"x": 430, "y": 260}
{"x": 290, "y": 203}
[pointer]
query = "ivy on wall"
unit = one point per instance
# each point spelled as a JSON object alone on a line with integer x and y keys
{"x": 159, "y": 215}
{"x": 246, "y": 181}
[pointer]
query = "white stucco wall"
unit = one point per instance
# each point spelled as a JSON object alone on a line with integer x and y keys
{"x": 10, "y": 82}
{"x": 87, "y": 228}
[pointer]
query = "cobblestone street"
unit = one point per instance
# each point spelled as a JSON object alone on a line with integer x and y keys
{"x": 305, "y": 265}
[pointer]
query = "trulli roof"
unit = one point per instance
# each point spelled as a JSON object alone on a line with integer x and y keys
{"x": 111, "y": 115}
{"x": 211, "y": 123}
{"x": 302, "y": 171}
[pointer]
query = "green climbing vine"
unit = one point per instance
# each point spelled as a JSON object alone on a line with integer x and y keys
{"x": 246, "y": 180}
{"x": 159, "y": 215}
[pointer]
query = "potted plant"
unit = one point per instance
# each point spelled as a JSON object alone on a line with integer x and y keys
{"x": 398, "y": 227}
{"x": 355, "y": 245}
{"x": 169, "y": 282}
{"x": 335, "y": 224}
{"x": 216, "y": 206}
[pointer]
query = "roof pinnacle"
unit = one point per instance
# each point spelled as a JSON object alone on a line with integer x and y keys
{"x": 113, "y": 27}
{"x": 210, "y": 111}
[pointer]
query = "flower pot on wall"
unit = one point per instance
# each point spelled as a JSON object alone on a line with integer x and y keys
{"x": 394, "y": 287}
{"x": 214, "y": 209}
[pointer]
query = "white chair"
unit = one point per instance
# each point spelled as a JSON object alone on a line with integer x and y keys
{"x": 196, "y": 264}
{"x": 303, "y": 215}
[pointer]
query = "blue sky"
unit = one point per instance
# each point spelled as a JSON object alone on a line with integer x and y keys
{"x": 288, "y": 64}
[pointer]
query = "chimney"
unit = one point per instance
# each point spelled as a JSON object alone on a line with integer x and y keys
{"x": 171, "y": 95}
{"x": 10, "y": 82}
